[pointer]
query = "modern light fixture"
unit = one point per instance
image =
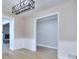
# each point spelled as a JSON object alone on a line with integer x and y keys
{"x": 24, "y": 5}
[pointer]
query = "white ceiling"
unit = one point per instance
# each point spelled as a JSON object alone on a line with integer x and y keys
{"x": 39, "y": 4}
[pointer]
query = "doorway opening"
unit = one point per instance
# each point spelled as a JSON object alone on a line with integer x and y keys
{"x": 47, "y": 34}
{"x": 8, "y": 33}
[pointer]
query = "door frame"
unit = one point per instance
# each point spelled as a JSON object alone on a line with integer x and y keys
{"x": 11, "y": 30}
{"x": 35, "y": 27}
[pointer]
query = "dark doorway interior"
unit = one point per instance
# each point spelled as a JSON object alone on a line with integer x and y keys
{"x": 6, "y": 35}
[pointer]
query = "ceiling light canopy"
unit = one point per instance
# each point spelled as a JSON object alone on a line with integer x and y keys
{"x": 24, "y": 5}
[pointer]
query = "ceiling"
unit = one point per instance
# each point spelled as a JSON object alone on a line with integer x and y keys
{"x": 39, "y": 4}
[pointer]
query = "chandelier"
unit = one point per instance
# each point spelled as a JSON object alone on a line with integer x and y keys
{"x": 23, "y": 6}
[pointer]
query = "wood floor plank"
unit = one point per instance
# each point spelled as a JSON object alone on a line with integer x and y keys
{"x": 41, "y": 53}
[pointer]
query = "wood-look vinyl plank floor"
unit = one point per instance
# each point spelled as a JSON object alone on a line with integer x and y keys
{"x": 41, "y": 53}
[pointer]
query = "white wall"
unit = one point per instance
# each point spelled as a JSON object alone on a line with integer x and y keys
{"x": 67, "y": 49}
{"x": 47, "y": 31}
{"x": 27, "y": 43}
{"x": 67, "y": 25}
{"x": 24, "y": 27}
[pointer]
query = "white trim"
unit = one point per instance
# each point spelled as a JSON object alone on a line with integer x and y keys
{"x": 47, "y": 15}
{"x": 27, "y": 43}
{"x": 42, "y": 45}
{"x": 11, "y": 22}
{"x": 18, "y": 43}
{"x": 12, "y": 34}
{"x": 4, "y": 16}
{"x": 43, "y": 17}
{"x": 67, "y": 49}
{"x": 12, "y": 49}
{"x": 62, "y": 58}
{"x": 58, "y": 34}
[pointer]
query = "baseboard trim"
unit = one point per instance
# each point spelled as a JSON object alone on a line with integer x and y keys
{"x": 11, "y": 49}
{"x": 42, "y": 45}
{"x": 62, "y": 58}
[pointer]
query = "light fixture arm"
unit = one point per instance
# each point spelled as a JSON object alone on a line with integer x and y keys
{"x": 20, "y": 3}
{"x": 24, "y": 5}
